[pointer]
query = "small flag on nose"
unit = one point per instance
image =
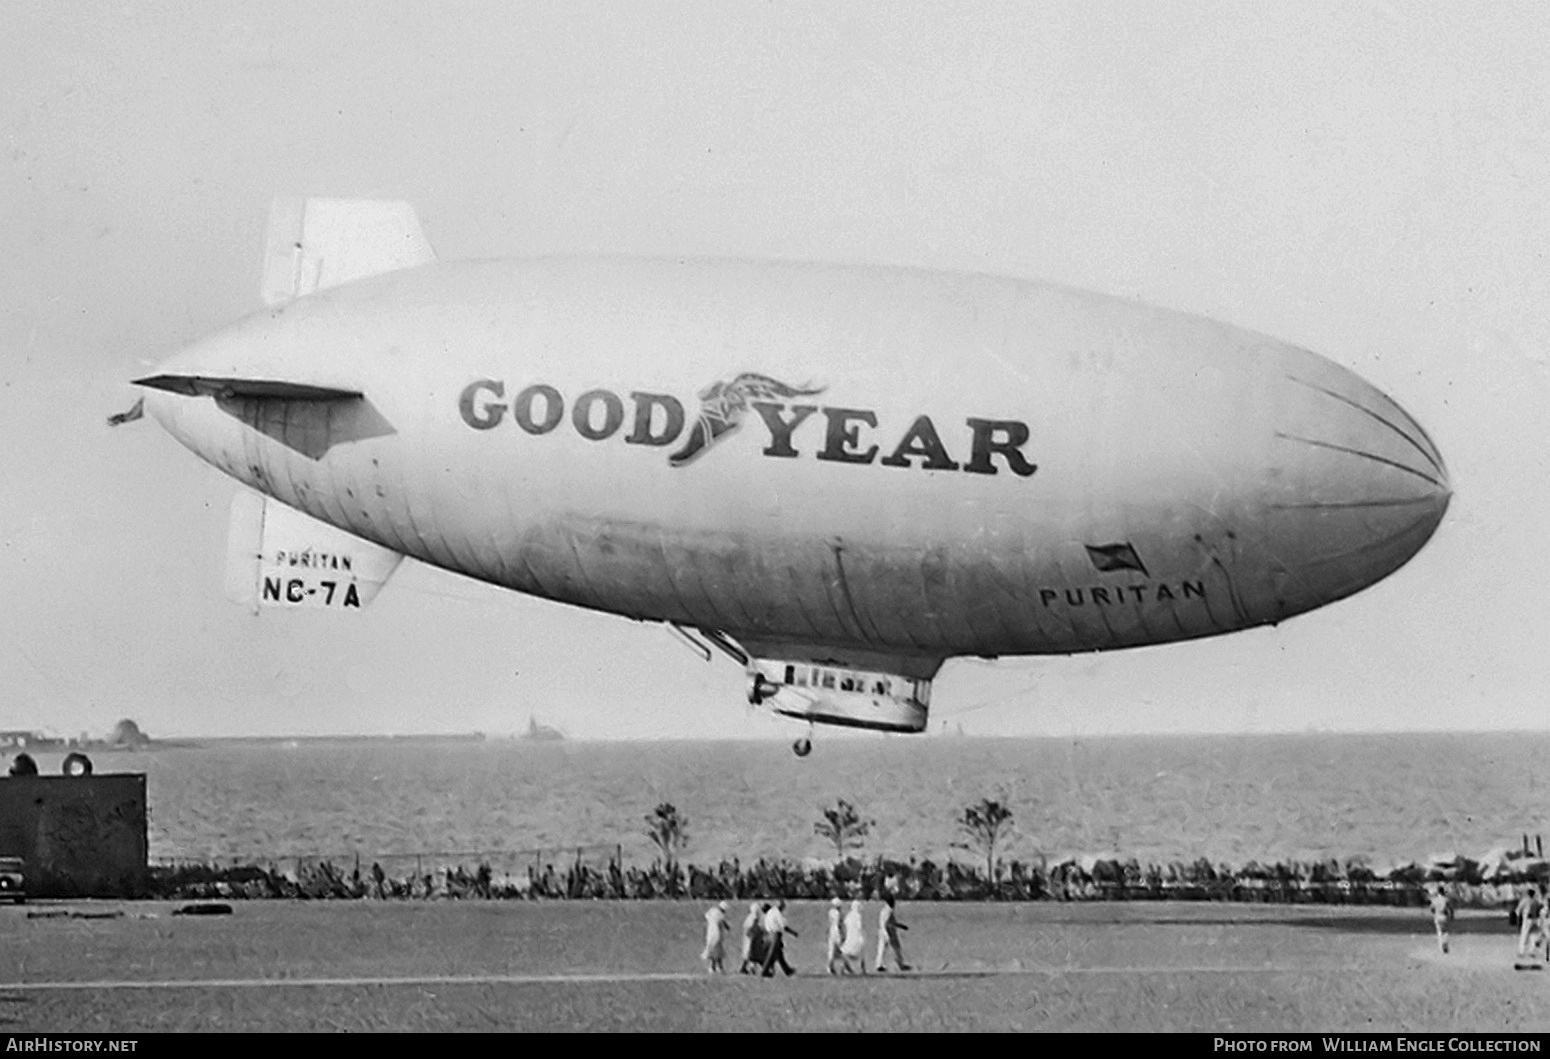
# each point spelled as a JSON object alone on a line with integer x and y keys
{"x": 1107, "y": 557}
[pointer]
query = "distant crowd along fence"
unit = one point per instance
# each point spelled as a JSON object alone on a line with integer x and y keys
{"x": 598, "y": 871}
{"x": 535, "y": 861}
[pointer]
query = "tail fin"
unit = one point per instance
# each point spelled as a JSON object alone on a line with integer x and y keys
{"x": 312, "y": 244}
{"x": 278, "y": 557}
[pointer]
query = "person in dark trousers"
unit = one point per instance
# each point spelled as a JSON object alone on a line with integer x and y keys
{"x": 775, "y": 931}
{"x": 888, "y": 927}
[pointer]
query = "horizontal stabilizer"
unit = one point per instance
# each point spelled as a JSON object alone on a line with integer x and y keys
{"x": 278, "y": 557}
{"x": 218, "y": 386}
{"x": 313, "y": 244}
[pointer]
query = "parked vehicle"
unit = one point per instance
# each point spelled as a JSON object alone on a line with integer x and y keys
{"x": 13, "y": 879}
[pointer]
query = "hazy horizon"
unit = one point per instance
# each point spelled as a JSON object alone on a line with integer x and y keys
{"x": 775, "y": 735}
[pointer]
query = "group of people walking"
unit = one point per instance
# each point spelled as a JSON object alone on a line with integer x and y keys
{"x": 1531, "y": 915}
{"x": 765, "y": 930}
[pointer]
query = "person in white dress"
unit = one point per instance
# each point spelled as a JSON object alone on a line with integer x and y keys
{"x": 836, "y": 937}
{"x": 752, "y": 959}
{"x": 715, "y": 938}
{"x": 853, "y": 947}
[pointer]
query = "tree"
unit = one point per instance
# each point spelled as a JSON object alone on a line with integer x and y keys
{"x": 986, "y": 824}
{"x": 126, "y": 733}
{"x": 843, "y": 826}
{"x": 668, "y": 830}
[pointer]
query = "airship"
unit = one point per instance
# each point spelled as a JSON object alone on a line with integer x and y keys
{"x": 839, "y": 476}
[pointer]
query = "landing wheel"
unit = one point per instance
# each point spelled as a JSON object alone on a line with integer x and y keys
{"x": 802, "y": 747}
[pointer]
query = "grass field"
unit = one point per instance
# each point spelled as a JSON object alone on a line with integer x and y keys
{"x": 361, "y": 965}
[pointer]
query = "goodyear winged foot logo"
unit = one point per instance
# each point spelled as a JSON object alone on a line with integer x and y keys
{"x": 722, "y": 406}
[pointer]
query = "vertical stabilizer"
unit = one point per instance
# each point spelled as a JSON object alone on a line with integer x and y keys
{"x": 312, "y": 244}
{"x": 278, "y": 557}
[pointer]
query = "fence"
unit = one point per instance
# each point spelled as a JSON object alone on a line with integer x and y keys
{"x": 599, "y": 872}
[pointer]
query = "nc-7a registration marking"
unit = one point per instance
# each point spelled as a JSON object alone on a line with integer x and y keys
{"x": 281, "y": 591}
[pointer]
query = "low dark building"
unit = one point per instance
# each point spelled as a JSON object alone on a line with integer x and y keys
{"x": 81, "y": 836}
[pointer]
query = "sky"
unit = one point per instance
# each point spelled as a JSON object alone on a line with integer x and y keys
{"x": 1367, "y": 180}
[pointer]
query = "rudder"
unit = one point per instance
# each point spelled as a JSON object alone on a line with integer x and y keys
{"x": 278, "y": 557}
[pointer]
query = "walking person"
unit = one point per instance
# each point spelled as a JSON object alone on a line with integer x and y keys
{"x": 752, "y": 957}
{"x": 775, "y": 931}
{"x": 1529, "y": 908}
{"x": 853, "y": 948}
{"x": 836, "y": 939}
{"x": 1542, "y": 933}
{"x": 1442, "y": 915}
{"x": 888, "y": 927}
{"x": 715, "y": 938}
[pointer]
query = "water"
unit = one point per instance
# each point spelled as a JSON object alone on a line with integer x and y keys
{"x": 1392, "y": 798}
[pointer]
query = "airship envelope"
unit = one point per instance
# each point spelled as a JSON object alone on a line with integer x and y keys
{"x": 840, "y": 476}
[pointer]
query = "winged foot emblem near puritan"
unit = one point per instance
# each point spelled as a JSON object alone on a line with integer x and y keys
{"x": 722, "y": 406}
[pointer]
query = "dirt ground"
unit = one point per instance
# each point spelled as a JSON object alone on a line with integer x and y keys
{"x": 275, "y": 966}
